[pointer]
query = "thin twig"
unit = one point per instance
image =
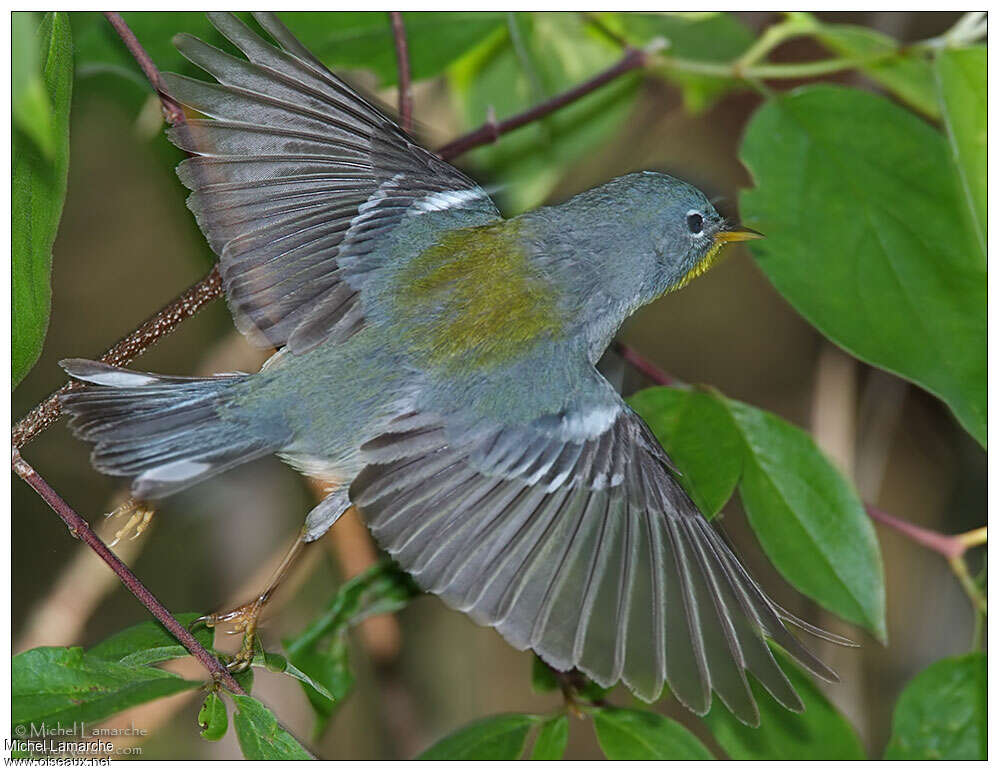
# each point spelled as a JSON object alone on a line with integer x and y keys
{"x": 975, "y": 595}
{"x": 641, "y": 364}
{"x": 81, "y": 529}
{"x": 948, "y": 546}
{"x": 402, "y": 63}
{"x": 594, "y": 20}
{"x": 172, "y": 111}
{"x": 160, "y": 324}
{"x": 490, "y": 131}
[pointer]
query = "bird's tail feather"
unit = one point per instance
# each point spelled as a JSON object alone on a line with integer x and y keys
{"x": 166, "y": 432}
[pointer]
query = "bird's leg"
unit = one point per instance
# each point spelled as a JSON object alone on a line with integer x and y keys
{"x": 141, "y": 515}
{"x": 246, "y": 617}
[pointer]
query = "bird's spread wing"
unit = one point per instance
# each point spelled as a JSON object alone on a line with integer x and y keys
{"x": 295, "y": 181}
{"x": 572, "y": 537}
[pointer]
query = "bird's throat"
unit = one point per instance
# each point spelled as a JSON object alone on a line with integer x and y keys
{"x": 710, "y": 258}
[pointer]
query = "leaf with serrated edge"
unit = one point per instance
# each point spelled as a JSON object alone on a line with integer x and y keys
{"x": 260, "y": 736}
{"x": 52, "y": 684}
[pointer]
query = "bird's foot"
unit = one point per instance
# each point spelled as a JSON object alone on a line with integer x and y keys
{"x": 140, "y": 516}
{"x": 244, "y": 619}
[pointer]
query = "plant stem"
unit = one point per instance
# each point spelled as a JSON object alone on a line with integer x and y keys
{"x": 977, "y": 597}
{"x": 949, "y": 546}
{"x": 490, "y": 131}
{"x": 793, "y": 26}
{"x": 975, "y": 538}
{"x": 402, "y": 64}
{"x": 978, "y": 633}
{"x": 641, "y": 364}
{"x": 81, "y": 529}
{"x": 172, "y": 111}
{"x": 795, "y": 70}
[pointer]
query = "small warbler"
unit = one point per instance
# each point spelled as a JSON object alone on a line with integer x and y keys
{"x": 436, "y": 370}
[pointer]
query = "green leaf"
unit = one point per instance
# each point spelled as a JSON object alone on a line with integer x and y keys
{"x": 694, "y": 426}
{"x": 820, "y": 732}
{"x": 635, "y": 735}
{"x": 99, "y": 49}
{"x": 260, "y": 736}
{"x": 54, "y": 684}
{"x": 961, "y": 81}
{"x": 213, "y": 718}
{"x": 245, "y": 679}
{"x": 31, "y": 109}
{"x": 553, "y": 737}
{"x": 807, "y": 516}
{"x": 908, "y": 76}
{"x": 537, "y": 56}
{"x": 134, "y": 642}
{"x": 496, "y": 738}
{"x": 344, "y": 40}
{"x": 381, "y": 589}
{"x": 152, "y": 656}
{"x": 278, "y": 664}
{"x": 543, "y": 678}
{"x": 701, "y": 37}
{"x": 592, "y": 691}
{"x": 942, "y": 713}
{"x": 330, "y": 668}
{"x": 39, "y": 165}
{"x": 809, "y": 520}
{"x": 320, "y": 653}
{"x": 867, "y": 238}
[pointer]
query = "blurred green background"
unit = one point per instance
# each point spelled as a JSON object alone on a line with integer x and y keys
{"x": 127, "y": 245}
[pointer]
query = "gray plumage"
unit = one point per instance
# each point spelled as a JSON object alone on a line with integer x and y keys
{"x": 437, "y": 370}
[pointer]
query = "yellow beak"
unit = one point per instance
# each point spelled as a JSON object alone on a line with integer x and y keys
{"x": 740, "y": 234}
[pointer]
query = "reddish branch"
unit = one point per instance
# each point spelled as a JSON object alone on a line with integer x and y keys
{"x": 641, "y": 364}
{"x": 948, "y": 546}
{"x": 172, "y": 111}
{"x": 402, "y": 63}
{"x": 490, "y": 131}
{"x": 81, "y": 529}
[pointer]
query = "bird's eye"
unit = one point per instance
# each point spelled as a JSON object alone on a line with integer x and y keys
{"x": 695, "y": 223}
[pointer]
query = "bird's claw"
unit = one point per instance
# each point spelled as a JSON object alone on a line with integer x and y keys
{"x": 244, "y": 619}
{"x": 141, "y": 515}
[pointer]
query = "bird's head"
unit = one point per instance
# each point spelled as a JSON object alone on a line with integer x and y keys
{"x": 680, "y": 230}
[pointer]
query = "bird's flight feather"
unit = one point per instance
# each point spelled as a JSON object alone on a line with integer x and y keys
{"x": 513, "y": 481}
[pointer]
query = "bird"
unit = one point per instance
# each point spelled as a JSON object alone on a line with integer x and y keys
{"x": 436, "y": 370}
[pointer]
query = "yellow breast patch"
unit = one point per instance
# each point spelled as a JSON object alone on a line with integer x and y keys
{"x": 474, "y": 299}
